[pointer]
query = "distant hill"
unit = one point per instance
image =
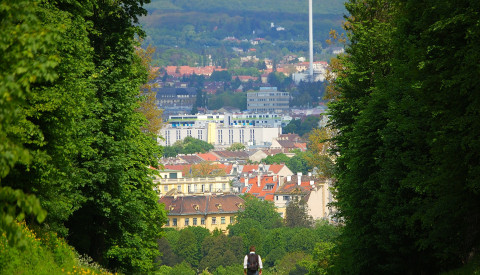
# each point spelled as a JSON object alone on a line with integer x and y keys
{"x": 189, "y": 30}
{"x": 275, "y": 6}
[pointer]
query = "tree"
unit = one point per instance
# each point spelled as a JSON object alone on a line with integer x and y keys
{"x": 187, "y": 248}
{"x": 221, "y": 76}
{"x": 297, "y": 214}
{"x": 322, "y": 256}
{"x": 400, "y": 130}
{"x": 148, "y": 106}
{"x": 319, "y": 145}
{"x": 220, "y": 250}
{"x": 205, "y": 169}
{"x": 22, "y": 66}
{"x": 236, "y": 147}
{"x": 278, "y": 158}
{"x": 257, "y": 213}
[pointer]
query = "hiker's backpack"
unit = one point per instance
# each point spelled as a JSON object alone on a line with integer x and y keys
{"x": 252, "y": 263}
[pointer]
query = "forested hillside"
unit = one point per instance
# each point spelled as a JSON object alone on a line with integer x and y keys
{"x": 197, "y": 28}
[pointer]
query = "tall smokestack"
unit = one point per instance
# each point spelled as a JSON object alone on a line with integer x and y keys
{"x": 310, "y": 36}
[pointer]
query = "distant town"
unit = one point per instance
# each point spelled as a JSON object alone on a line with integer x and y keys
{"x": 201, "y": 188}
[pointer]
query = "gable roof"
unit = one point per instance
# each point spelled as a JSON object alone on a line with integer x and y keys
{"x": 275, "y": 168}
{"x": 191, "y": 159}
{"x": 208, "y": 157}
{"x": 292, "y": 187}
{"x": 211, "y": 204}
{"x": 231, "y": 154}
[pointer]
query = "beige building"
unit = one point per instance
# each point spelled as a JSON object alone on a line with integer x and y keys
{"x": 211, "y": 212}
{"x": 172, "y": 182}
{"x": 315, "y": 191}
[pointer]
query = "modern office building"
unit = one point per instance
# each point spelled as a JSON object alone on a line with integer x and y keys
{"x": 268, "y": 100}
{"x": 223, "y": 129}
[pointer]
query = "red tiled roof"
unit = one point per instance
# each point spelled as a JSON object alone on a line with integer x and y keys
{"x": 275, "y": 168}
{"x": 249, "y": 168}
{"x": 208, "y": 157}
{"x": 225, "y": 167}
{"x": 260, "y": 191}
{"x": 301, "y": 146}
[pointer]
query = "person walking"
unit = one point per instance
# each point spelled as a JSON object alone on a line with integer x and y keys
{"x": 252, "y": 263}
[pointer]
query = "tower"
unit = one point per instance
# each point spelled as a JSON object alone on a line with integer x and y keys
{"x": 310, "y": 38}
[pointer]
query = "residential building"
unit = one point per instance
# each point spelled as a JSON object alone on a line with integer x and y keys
{"x": 173, "y": 182}
{"x": 268, "y": 100}
{"x": 314, "y": 191}
{"x": 211, "y": 211}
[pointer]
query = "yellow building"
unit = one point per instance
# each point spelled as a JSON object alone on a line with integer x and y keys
{"x": 211, "y": 212}
{"x": 171, "y": 181}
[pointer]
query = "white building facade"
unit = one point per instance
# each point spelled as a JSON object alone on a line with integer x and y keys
{"x": 219, "y": 135}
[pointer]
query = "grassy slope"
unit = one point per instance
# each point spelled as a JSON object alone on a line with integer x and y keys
{"x": 43, "y": 253}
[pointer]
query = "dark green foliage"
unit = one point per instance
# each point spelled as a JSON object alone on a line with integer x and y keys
{"x": 188, "y": 33}
{"x": 278, "y": 158}
{"x": 309, "y": 94}
{"x": 296, "y": 214}
{"x": 301, "y": 127}
{"x": 221, "y": 76}
{"x": 262, "y": 212}
{"x": 78, "y": 143}
{"x": 408, "y": 94}
{"x": 189, "y": 145}
{"x": 279, "y": 80}
{"x": 219, "y": 100}
{"x": 297, "y": 163}
{"x": 221, "y": 250}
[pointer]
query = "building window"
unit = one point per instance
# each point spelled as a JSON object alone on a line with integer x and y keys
{"x": 276, "y": 198}
{"x": 179, "y": 187}
{"x": 232, "y": 219}
{"x": 174, "y": 221}
{"x": 194, "y": 221}
{"x": 222, "y": 220}
{"x": 223, "y": 186}
{"x": 187, "y": 220}
{"x": 286, "y": 198}
{"x": 214, "y": 220}
{"x": 202, "y": 221}
{"x": 173, "y": 175}
{"x": 165, "y": 188}
{"x": 168, "y": 222}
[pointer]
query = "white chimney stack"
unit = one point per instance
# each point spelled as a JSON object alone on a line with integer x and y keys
{"x": 311, "y": 182}
{"x": 258, "y": 180}
{"x": 299, "y": 176}
{"x": 289, "y": 178}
